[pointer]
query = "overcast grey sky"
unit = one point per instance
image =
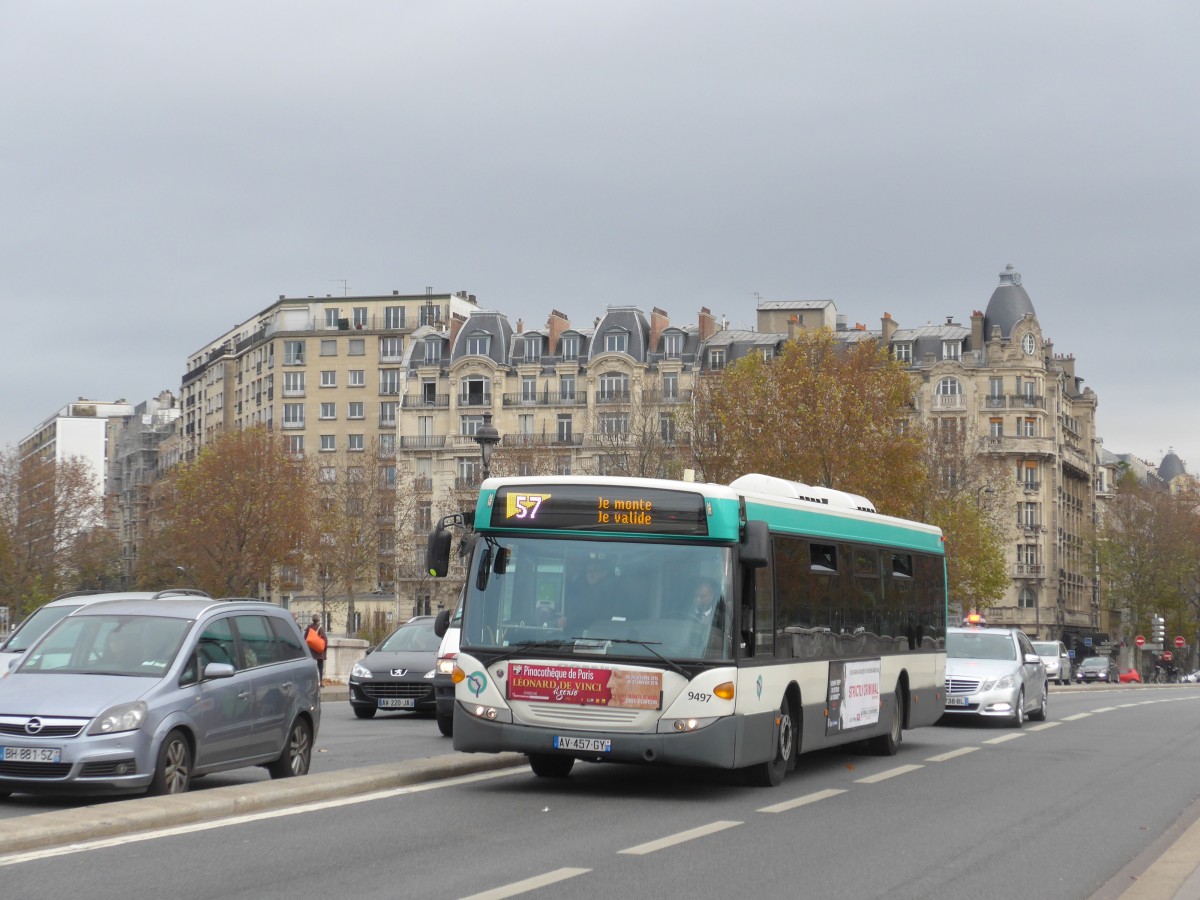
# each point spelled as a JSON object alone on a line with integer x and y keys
{"x": 167, "y": 170}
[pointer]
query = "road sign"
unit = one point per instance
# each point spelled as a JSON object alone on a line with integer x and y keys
{"x": 1168, "y": 655}
{"x": 1179, "y": 641}
{"x": 1139, "y": 640}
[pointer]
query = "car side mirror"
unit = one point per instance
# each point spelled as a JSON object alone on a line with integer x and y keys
{"x": 441, "y": 623}
{"x": 218, "y": 670}
{"x": 1033, "y": 658}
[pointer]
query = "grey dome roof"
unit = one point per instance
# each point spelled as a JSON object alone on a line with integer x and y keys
{"x": 1171, "y": 467}
{"x": 1008, "y": 305}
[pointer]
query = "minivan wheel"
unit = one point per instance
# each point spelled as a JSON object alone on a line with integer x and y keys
{"x": 364, "y": 712}
{"x": 446, "y": 724}
{"x": 173, "y": 773}
{"x": 297, "y": 752}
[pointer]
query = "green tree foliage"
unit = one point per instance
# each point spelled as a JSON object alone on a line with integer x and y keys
{"x": 232, "y": 517}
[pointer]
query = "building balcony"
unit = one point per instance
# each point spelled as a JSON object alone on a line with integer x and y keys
{"x": 422, "y": 441}
{"x": 467, "y": 484}
{"x": 1028, "y": 570}
{"x": 612, "y": 397}
{"x": 426, "y": 401}
{"x": 547, "y": 398}
{"x": 293, "y": 392}
{"x": 541, "y": 440}
{"x": 475, "y": 400}
{"x": 949, "y": 401}
{"x": 655, "y": 396}
{"x": 422, "y": 483}
{"x": 387, "y": 421}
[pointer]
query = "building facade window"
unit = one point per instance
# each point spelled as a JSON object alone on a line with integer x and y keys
{"x": 389, "y": 382}
{"x": 356, "y": 409}
{"x": 329, "y": 410}
{"x": 996, "y": 428}
{"x": 357, "y": 378}
{"x": 614, "y": 386}
{"x": 293, "y": 415}
{"x": 952, "y": 349}
{"x": 391, "y": 348}
{"x": 479, "y": 344}
{"x": 670, "y": 386}
{"x": 565, "y": 427}
{"x": 393, "y": 317}
{"x": 293, "y": 353}
{"x": 716, "y": 357}
{"x": 475, "y": 392}
{"x": 433, "y": 350}
{"x": 673, "y": 345}
{"x": 566, "y": 388}
{"x": 616, "y": 342}
{"x": 328, "y": 443}
{"x": 355, "y": 442}
{"x": 902, "y": 351}
{"x": 570, "y": 346}
{"x": 328, "y": 378}
{"x": 296, "y": 444}
{"x": 329, "y": 347}
{"x": 360, "y": 317}
{"x": 293, "y": 384}
{"x": 358, "y": 347}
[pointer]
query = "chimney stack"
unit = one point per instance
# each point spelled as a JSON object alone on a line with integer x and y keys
{"x": 555, "y": 326}
{"x": 658, "y": 324}
{"x": 889, "y": 328}
{"x": 708, "y": 324}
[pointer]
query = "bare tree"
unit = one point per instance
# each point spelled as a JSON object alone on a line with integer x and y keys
{"x": 232, "y": 518}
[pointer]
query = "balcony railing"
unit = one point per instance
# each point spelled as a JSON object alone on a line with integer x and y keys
{"x": 419, "y": 401}
{"x": 541, "y": 440}
{"x": 422, "y": 441}
{"x": 467, "y": 484}
{"x": 475, "y": 399}
{"x": 546, "y": 398}
{"x": 1029, "y": 570}
{"x": 612, "y": 396}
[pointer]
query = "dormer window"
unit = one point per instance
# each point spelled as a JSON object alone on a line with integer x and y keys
{"x": 952, "y": 349}
{"x": 902, "y": 352}
{"x": 533, "y": 347}
{"x": 479, "y": 344}
{"x": 616, "y": 342}
{"x": 433, "y": 350}
{"x": 570, "y": 346}
{"x": 673, "y": 345}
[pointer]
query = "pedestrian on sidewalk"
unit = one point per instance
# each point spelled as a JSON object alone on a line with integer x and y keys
{"x": 314, "y": 636}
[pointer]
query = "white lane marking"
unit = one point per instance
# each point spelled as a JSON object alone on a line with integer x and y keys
{"x": 801, "y": 801}
{"x": 1044, "y": 726}
{"x": 961, "y": 751}
{"x": 1003, "y": 739}
{"x": 529, "y": 884}
{"x": 1104, "y": 709}
{"x": 890, "y": 773}
{"x": 672, "y": 839}
{"x": 103, "y": 843}
{"x": 1076, "y": 717}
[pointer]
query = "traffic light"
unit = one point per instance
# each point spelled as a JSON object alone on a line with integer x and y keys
{"x": 1158, "y": 629}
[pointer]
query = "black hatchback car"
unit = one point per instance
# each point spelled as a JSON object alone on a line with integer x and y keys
{"x": 397, "y": 674}
{"x": 1097, "y": 668}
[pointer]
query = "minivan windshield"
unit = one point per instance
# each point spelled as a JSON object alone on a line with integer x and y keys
{"x": 35, "y": 625}
{"x": 108, "y": 645}
{"x": 1046, "y": 648}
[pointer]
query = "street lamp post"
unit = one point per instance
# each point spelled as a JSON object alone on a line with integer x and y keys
{"x": 487, "y": 437}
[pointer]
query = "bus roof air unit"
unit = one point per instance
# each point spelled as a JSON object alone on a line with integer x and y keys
{"x": 781, "y": 487}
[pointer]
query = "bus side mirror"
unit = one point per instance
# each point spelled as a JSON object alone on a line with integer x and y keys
{"x": 755, "y": 549}
{"x": 441, "y": 623}
{"x": 437, "y": 552}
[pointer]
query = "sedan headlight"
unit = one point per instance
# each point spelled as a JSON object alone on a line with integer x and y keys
{"x": 1007, "y": 683}
{"x": 358, "y": 670}
{"x": 124, "y": 717}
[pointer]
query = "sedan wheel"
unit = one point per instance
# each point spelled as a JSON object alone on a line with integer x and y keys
{"x": 1019, "y": 712}
{"x": 1039, "y": 714}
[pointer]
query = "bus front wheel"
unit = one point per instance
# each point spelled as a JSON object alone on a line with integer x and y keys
{"x": 549, "y": 765}
{"x": 771, "y": 773}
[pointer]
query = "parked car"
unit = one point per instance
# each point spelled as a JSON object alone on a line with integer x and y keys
{"x": 1129, "y": 675}
{"x": 994, "y": 673}
{"x": 1097, "y": 669}
{"x": 38, "y": 622}
{"x": 133, "y": 695}
{"x": 1056, "y": 659}
{"x": 397, "y": 674}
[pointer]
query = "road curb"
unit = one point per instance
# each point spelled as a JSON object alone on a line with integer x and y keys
{"x": 55, "y": 829}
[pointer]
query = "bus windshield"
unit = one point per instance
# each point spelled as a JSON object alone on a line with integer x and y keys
{"x": 584, "y": 596}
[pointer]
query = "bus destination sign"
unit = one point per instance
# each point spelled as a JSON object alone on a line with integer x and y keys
{"x": 599, "y": 508}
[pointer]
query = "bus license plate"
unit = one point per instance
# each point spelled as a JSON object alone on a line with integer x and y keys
{"x": 590, "y": 745}
{"x": 397, "y": 703}
{"x": 32, "y": 754}
{"x": 956, "y": 701}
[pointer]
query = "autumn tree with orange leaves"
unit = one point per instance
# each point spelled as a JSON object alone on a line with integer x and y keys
{"x": 230, "y": 519}
{"x": 821, "y": 412}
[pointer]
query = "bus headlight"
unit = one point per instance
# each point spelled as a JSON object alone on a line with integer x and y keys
{"x": 683, "y": 726}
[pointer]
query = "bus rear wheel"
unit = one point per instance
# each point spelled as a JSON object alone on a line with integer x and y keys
{"x": 771, "y": 773}
{"x": 889, "y": 744}
{"x": 549, "y": 765}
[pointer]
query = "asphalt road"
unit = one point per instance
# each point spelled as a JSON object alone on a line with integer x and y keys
{"x": 1097, "y": 803}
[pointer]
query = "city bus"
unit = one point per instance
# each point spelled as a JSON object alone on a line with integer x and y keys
{"x": 580, "y": 639}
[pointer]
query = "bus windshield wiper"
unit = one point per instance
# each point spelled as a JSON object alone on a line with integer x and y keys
{"x": 649, "y": 645}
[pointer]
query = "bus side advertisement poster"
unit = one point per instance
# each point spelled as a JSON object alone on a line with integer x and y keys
{"x": 585, "y": 686}
{"x": 599, "y": 508}
{"x": 853, "y": 697}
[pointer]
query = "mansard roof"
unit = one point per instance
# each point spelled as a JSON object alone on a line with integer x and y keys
{"x": 494, "y": 324}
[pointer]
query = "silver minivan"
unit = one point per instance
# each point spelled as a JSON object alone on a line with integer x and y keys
{"x": 38, "y": 622}
{"x": 1056, "y": 659}
{"x": 133, "y": 695}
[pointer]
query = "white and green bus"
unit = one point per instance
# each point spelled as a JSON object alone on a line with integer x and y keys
{"x": 581, "y": 638}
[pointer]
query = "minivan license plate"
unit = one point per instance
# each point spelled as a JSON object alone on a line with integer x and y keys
{"x": 32, "y": 754}
{"x": 397, "y": 703}
{"x": 591, "y": 745}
